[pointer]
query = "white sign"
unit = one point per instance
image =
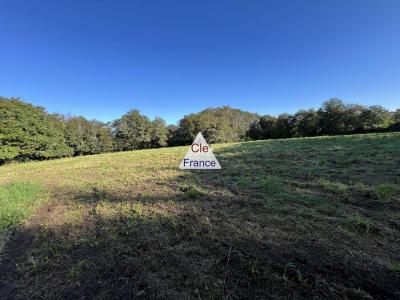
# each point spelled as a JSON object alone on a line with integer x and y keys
{"x": 199, "y": 156}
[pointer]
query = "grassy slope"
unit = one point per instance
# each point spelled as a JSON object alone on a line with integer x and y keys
{"x": 284, "y": 218}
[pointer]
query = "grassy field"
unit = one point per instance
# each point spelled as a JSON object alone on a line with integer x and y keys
{"x": 296, "y": 218}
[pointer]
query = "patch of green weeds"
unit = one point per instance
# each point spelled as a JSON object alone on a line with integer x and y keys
{"x": 292, "y": 274}
{"x": 272, "y": 185}
{"x": 385, "y": 192}
{"x": 360, "y": 224}
{"x": 138, "y": 209}
{"x": 75, "y": 270}
{"x": 243, "y": 183}
{"x": 170, "y": 221}
{"x": 394, "y": 267}
{"x": 18, "y": 201}
{"x": 192, "y": 191}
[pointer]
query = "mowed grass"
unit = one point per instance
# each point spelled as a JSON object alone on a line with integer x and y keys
{"x": 295, "y": 218}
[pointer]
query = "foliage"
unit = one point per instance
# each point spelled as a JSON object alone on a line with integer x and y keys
{"x": 218, "y": 125}
{"x": 334, "y": 117}
{"x": 159, "y": 133}
{"x": 28, "y": 132}
{"x": 88, "y": 137}
{"x": 306, "y": 123}
{"x": 135, "y": 131}
{"x": 132, "y": 131}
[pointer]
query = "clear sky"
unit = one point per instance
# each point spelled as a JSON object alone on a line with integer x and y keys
{"x": 169, "y": 58}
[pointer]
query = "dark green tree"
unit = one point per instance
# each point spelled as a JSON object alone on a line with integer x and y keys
{"x": 352, "y": 118}
{"x": 218, "y": 125}
{"x": 28, "y": 132}
{"x": 396, "y": 116}
{"x": 159, "y": 133}
{"x": 374, "y": 117}
{"x": 173, "y": 136}
{"x": 307, "y": 123}
{"x": 284, "y": 126}
{"x": 88, "y": 137}
{"x": 132, "y": 131}
{"x": 332, "y": 117}
{"x": 262, "y": 129}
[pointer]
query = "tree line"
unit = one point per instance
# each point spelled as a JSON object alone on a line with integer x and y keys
{"x": 28, "y": 132}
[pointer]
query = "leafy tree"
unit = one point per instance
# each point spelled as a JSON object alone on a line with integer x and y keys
{"x": 132, "y": 131}
{"x": 375, "y": 117}
{"x": 173, "y": 136}
{"x": 104, "y": 136}
{"x": 396, "y": 116}
{"x": 187, "y": 129}
{"x": 159, "y": 133}
{"x": 284, "y": 126}
{"x": 262, "y": 129}
{"x": 307, "y": 123}
{"x": 395, "y": 124}
{"x": 255, "y": 131}
{"x": 218, "y": 125}
{"x": 88, "y": 137}
{"x": 332, "y": 116}
{"x": 28, "y": 132}
{"x": 352, "y": 118}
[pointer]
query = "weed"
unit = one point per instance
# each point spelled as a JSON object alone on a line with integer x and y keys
{"x": 394, "y": 267}
{"x": 358, "y": 223}
{"x": 192, "y": 191}
{"x": 333, "y": 187}
{"x": 361, "y": 188}
{"x": 243, "y": 183}
{"x": 137, "y": 209}
{"x": 17, "y": 202}
{"x": 75, "y": 270}
{"x": 385, "y": 192}
{"x": 272, "y": 185}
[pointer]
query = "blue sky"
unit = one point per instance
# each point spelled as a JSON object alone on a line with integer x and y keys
{"x": 169, "y": 58}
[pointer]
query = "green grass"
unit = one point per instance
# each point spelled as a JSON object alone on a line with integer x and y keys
{"x": 385, "y": 192}
{"x": 394, "y": 267}
{"x": 18, "y": 201}
{"x": 295, "y": 218}
{"x": 273, "y": 185}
